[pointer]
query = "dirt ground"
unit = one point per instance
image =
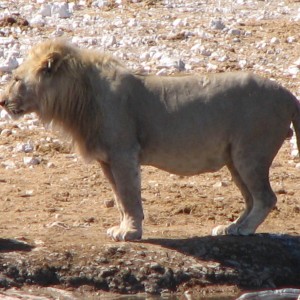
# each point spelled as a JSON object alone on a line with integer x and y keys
{"x": 54, "y": 216}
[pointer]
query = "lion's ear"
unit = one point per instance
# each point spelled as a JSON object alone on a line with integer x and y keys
{"x": 51, "y": 63}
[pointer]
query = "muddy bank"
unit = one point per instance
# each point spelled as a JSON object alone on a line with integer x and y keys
{"x": 158, "y": 266}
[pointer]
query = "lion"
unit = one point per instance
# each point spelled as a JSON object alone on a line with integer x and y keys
{"x": 185, "y": 125}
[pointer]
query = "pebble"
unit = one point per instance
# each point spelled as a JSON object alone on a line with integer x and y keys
{"x": 220, "y": 184}
{"x": 274, "y": 40}
{"x": 9, "y": 64}
{"x": 46, "y": 10}
{"x": 234, "y": 32}
{"x": 24, "y": 147}
{"x": 217, "y": 24}
{"x": 6, "y": 132}
{"x": 291, "y": 39}
{"x": 37, "y": 21}
{"x": 8, "y": 164}
{"x": 60, "y": 10}
{"x": 108, "y": 203}
{"x": 31, "y": 161}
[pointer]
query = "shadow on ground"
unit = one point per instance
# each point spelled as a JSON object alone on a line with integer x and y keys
{"x": 261, "y": 260}
{"x": 11, "y": 245}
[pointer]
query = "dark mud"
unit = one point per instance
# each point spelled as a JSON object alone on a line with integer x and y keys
{"x": 158, "y": 266}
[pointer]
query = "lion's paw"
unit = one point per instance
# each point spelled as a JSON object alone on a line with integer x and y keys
{"x": 120, "y": 234}
{"x": 231, "y": 229}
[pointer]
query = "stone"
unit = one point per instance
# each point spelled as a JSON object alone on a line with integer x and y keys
{"x": 31, "y": 161}
{"x": 108, "y": 203}
{"x": 61, "y": 10}
{"x": 45, "y": 10}
{"x": 217, "y": 24}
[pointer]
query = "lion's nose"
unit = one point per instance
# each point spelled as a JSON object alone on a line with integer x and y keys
{"x": 2, "y": 101}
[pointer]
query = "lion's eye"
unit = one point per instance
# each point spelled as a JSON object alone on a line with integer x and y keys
{"x": 17, "y": 78}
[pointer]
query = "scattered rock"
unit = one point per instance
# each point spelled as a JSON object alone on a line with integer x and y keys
{"x": 217, "y": 24}
{"x": 108, "y": 203}
{"x": 31, "y": 161}
{"x": 13, "y": 20}
{"x": 283, "y": 294}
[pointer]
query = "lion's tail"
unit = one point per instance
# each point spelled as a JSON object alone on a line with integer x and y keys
{"x": 296, "y": 123}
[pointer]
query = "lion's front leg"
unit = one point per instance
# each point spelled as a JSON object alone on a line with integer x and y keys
{"x": 124, "y": 177}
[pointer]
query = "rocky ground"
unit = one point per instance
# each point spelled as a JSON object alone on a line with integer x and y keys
{"x": 55, "y": 208}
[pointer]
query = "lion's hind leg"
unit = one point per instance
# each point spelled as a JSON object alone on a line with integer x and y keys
{"x": 252, "y": 177}
{"x": 232, "y": 228}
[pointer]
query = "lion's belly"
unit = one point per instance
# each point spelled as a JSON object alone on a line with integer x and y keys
{"x": 184, "y": 161}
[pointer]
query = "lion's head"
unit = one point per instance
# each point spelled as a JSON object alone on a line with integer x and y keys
{"x": 62, "y": 84}
{"x": 56, "y": 79}
{"x": 44, "y": 81}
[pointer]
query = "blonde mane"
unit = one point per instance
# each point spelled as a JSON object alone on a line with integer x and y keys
{"x": 78, "y": 80}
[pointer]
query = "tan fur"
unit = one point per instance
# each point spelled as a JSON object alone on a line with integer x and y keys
{"x": 185, "y": 125}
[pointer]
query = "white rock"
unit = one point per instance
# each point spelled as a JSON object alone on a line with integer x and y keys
{"x": 157, "y": 55}
{"x": 242, "y": 63}
{"x": 50, "y": 165}
{"x": 9, "y": 64}
{"x": 294, "y": 148}
{"x": 24, "y": 147}
{"x": 37, "y": 21}
{"x": 196, "y": 47}
{"x": 108, "y": 40}
{"x": 31, "y": 160}
{"x": 234, "y": 32}
{"x": 73, "y": 7}
{"x": 211, "y": 67}
{"x": 261, "y": 45}
{"x": 293, "y": 70}
{"x": 168, "y": 62}
{"x": 223, "y": 58}
{"x": 45, "y": 10}
{"x": 132, "y": 22}
{"x": 217, "y": 24}
{"x": 61, "y": 10}
{"x": 100, "y": 3}
{"x": 8, "y": 164}
{"x": 6, "y": 132}
{"x": 274, "y": 40}
{"x": 4, "y": 115}
{"x": 294, "y": 153}
{"x": 162, "y": 72}
{"x": 297, "y": 62}
{"x": 291, "y": 39}
{"x": 177, "y": 22}
{"x": 144, "y": 56}
{"x": 6, "y": 40}
{"x": 204, "y": 51}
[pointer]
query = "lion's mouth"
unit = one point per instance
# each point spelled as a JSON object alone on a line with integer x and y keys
{"x": 17, "y": 111}
{"x": 11, "y": 108}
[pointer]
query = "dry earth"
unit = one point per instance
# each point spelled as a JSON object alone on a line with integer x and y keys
{"x": 53, "y": 215}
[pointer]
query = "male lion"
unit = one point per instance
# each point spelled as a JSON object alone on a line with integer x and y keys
{"x": 185, "y": 125}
